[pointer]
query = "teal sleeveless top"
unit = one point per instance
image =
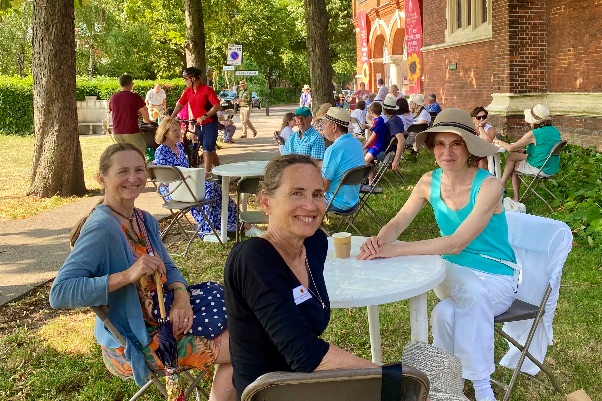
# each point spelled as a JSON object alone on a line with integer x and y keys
{"x": 492, "y": 242}
{"x": 545, "y": 138}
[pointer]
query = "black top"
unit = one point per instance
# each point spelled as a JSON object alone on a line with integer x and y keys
{"x": 268, "y": 331}
{"x": 395, "y": 125}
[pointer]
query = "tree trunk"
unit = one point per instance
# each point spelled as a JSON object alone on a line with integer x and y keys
{"x": 57, "y": 167}
{"x": 320, "y": 67}
{"x": 195, "y": 35}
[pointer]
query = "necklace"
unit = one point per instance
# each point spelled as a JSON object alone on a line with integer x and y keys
{"x": 131, "y": 220}
{"x": 317, "y": 293}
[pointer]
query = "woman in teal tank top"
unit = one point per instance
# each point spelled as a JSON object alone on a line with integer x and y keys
{"x": 538, "y": 143}
{"x": 467, "y": 203}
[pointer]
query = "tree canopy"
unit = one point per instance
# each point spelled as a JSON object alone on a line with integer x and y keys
{"x": 147, "y": 37}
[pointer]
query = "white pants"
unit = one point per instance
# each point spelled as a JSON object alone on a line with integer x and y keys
{"x": 462, "y": 321}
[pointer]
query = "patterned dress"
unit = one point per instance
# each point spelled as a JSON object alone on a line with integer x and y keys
{"x": 164, "y": 156}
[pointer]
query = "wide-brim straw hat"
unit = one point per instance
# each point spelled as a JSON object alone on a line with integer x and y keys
{"x": 390, "y": 103}
{"x": 306, "y": 86}
{"x": 537, "y": 114}
{"x": 339, "y": 116}
{"x": 443, "y": 369}
{"x": 323, "y": 109}
{"x": 418, "y": 99}
{"x": 458, "y": 122}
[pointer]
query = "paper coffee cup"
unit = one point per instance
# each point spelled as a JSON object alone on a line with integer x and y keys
{"x": 342, "y": 245}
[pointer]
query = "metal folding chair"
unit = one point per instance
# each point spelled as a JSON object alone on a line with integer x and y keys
{"x": 245, "y": 186}
{"x": 339, "y": 385}
{"x": 412, "y": 131}
{"x": 192, "y": 381}
{"x": 366, "y": 193}
{"x": 162, "y": 175}
{"x": 392, "y": 148}
{"x": 533, "y": 181}
{"x": 354, "y": 176}
{"x": 541, "y": 246}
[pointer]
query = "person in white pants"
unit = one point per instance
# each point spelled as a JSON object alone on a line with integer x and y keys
{"x": 481, "y": 265}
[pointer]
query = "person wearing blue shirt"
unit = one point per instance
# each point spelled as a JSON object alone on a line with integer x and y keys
{"x": 307, "y": 141}
{"x": 344, "y": 154}
{"x": 431, "y": 104}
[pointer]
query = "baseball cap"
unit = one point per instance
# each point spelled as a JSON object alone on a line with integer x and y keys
{"x": 303, "y": 111}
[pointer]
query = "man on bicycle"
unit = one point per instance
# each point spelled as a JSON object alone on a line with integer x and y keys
{"x": 204, "y": 105}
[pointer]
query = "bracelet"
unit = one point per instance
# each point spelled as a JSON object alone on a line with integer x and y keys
{"x": 181, "y": 289}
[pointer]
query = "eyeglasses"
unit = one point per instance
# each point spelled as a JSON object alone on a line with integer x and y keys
{"x": 455, "y": 145}
{"x": 481, "y": 117}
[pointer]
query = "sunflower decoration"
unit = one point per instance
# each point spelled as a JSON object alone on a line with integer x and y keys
{"x": 415, "y": 69}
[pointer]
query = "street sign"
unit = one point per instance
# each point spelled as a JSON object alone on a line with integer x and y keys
{"x": 234, "y": 55}
{"x": 229, "y": 68}
{"x": 246, "y": 73}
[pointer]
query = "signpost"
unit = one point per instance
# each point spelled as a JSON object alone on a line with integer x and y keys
{"x": 229, "y": 68}
{"x": 246, "y": 73}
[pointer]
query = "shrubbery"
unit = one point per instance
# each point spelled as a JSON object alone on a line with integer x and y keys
{"x": 16, "y": 97}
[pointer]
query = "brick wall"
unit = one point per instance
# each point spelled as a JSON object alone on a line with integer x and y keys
{"x": 574, "y": 45}
{"x": 433, "y": 22}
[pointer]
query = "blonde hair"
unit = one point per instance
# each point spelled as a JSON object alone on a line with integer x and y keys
{"x": 288, "y": 117}
{"x": 163, "y": 129}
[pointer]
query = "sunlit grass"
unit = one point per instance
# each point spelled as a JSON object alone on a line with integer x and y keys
{"x": 17, "y": 152}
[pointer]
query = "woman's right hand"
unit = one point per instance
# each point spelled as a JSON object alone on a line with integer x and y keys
{"x": 146, "y": 265}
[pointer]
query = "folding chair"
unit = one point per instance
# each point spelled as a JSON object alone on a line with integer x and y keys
{"x": 162, "y": 175}
{"x": 532, "y": 181}
{"x": 392, "y": 148}
{"x": 279, "y": 141}
{"x": 412, "y": 131}
{"x": 338, "y": 385}
{"x": 365, "y": 193}
{"x": 102, "y": 312}
{"x": 354, "y": 176}
{"x": 541, "y": 246}
{"x": 246, "y": 186}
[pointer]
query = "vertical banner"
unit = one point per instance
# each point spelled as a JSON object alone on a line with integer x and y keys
{"x": 362, "y": 23}
{"x": 413, "y": 45}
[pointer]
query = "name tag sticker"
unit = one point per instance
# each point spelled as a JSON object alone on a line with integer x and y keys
{"x": 301, "y": 294}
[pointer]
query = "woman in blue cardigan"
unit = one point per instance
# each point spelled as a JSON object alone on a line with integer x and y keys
{"x": 116, "y": 251}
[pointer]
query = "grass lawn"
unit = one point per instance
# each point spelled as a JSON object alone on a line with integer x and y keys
{"x": 51, "y": 355}
{"x": 14, "y": 182}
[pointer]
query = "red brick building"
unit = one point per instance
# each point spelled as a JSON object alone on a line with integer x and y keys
{"x": 506, "y": 55}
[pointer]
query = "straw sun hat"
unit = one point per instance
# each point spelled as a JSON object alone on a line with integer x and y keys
{"x": 338, "y": 116}
{"x": 418, "y": 99}
{"x": 537, "y": 114}
{"x": 458, "y": 122}
{"x": 390, "y": 103}
{"x": 443, "y": 369}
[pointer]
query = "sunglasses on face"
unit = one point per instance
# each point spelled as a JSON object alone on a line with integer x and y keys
{"x": 481, "y": 117}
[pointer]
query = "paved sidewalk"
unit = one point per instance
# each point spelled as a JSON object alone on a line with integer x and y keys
{"x": 32, "y": 250}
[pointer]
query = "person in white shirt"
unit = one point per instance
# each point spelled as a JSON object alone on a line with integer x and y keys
{"x": 394, "y": 92}
{"x": 382, "y": 90}
{"x": 421, "y": 116}
{"x": 156, "y": 99}
{"x": 359, "y": 114}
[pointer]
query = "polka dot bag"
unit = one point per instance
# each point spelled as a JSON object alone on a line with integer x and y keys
{"x": 208, "y": 307}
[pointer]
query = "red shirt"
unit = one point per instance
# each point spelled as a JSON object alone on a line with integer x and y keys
{"x": 200, "y": 101}
{"x": 124, "y": 106}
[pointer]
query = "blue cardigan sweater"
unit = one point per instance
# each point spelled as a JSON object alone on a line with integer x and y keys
{"x": 100, "y": 250}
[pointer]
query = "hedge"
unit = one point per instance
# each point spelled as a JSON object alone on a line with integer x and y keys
{"x": 16, "y": 97}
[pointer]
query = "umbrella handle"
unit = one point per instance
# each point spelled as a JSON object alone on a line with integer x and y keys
{"x": 160, "y": 300}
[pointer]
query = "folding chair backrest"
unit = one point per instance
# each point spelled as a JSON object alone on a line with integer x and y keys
{"x": 248, "y": 185}
{"x": 416, "y": 128}
{"x": 392, "y": 147}
{"x": 102, "y": 312}
{"x": 555, "y": 151}
{"x": 334, "y": 385}
{"x": 353, "y": 176}
{"x": 278, "y": 138}
{"x": 170, "y": 174}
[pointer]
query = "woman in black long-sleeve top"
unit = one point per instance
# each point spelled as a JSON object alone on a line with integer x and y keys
{"x": 276, "y": 298}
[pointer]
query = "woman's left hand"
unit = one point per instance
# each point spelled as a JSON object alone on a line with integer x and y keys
{"x": 181, "y": 314}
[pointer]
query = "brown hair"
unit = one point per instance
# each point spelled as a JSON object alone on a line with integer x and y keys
{"x": 163, "y": 129}
{"x": 104, "y": 165}
{"x": 376, "y": 108}
{"x": 272, "y": 178}
{"x": 286, "y": 119}
{"x": 361, "y": 104}
{"x": 475, "y": 112}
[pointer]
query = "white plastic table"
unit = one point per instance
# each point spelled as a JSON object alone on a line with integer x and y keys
{"x": 240, "y": 169}
{"x": 353, "y": 283}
